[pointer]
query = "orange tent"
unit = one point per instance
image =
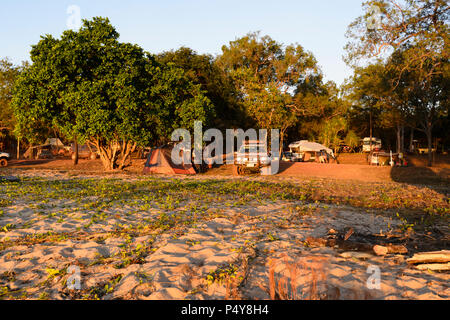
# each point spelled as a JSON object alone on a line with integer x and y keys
{"x": 159, "y": 161}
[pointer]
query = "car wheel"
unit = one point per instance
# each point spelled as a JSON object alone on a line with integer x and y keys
{"x": 237, "y": 170}
{"x": 3, "y": 162}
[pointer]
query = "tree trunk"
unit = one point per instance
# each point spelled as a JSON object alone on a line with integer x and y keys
{"x": 399, "y": 138}
{"x": 430, "y": 144}
{"x": 411, "y": 141}
{"x": 75, "y": 160}
{"x": 110, "y": 155}
{"x": 370, "y": 125}
{"x": 402, "y": 143}
{"x": 281, "y": 145}
{"x": 18, "y": 148}
{"x": 127, "y": 149}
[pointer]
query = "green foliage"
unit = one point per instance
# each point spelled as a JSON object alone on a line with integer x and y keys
{"x": 202, "y": 70}
{"x": 410, "y": 42}
{"x": 331, "y": 130}
{"x": 266, "y": 74}
{"x": 113, "y": 95}
{"x": 351, "y": 139}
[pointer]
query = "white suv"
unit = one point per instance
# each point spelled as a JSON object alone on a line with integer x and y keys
{"x": 252, "y": 156}
{"x": 4, "y": 157}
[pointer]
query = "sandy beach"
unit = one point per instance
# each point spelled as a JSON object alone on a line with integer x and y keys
{"x": 158, "y": 237}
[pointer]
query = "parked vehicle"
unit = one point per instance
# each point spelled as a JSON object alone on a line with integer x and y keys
{"x": 43, "y": 151}
{"x": 84, "y": 152}
{"x": 346, "y": 149}
{"x": 4, "y": 157}
{"x": 382, "y": 158}
{"x": 287, "y": 156}
{"x": 425, "y": 150}
{"x": 251, "y": 157}
{"x": 57, "y": 147}
{"x": 366, "y": 144}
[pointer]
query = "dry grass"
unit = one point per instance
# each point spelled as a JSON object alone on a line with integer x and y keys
{"x": 304, "y": 279}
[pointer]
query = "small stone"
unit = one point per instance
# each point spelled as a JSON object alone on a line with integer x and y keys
{"x": 357, "y": 255}
{"x": 380, "y": 250}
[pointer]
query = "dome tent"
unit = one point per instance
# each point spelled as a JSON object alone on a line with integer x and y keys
{"x": 159, "y": 160}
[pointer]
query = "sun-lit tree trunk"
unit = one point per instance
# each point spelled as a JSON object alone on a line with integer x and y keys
{"x": 429, "y": 135}
{"x": 399, "y": 138}
{"x": 114, "y": 155}
{"x": 402, "y": 144}
{"x": 411, "y": 140}
{"x": 18, "y": 148}
{"x": 128, "y": 147}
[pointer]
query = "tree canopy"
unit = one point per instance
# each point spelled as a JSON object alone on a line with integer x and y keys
{"x": 109, "y": 94}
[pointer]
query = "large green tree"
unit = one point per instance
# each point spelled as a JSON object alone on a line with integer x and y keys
{"x": 202, "y": 70}
{"x": 321, "y": 111}
{"x": 112, "y": 95}
{"x": 413, "y": 37}
{"x": 266, "y": 74}
{"x": 8, "y": 74}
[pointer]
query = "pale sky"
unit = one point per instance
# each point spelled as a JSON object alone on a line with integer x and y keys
{"x": 203, "y": 25}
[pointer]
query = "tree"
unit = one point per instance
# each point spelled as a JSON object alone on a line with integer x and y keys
{"x": 330, "y": 132}
{"x": 112, "y": 95}
{"x": 266, "y": 74}
{"x": 202, "y": 70}
{"x": 371, "y": 89}
{"x": 317, "y": 104}
{"x": 426, "y": 99}
{"x": 390, "y": 25}
{"x": 415, "y": 33}
{"x": 8, "y": 74}
{"x": 352, "y": 139}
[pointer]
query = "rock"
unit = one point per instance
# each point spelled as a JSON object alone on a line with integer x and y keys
{"x": 380, "y": 250}
{"x": 316, "y": 242}
{"x": 357, "y": 255}
{"x": 427, "y": 257}
{"x": 434, "y": 266}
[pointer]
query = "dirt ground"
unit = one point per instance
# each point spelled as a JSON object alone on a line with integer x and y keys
{"x": 216, "y": 236}
{"x": 350, "y": 167}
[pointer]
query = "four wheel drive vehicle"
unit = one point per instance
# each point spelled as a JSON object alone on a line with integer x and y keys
{"x": 4, "y": 157}
{"x": 425, "y": 150}
{"x": 84, "y": 152}
{"x": 343, "y": 148}
{"x": 287, "y": 156}
{"x": 376, "y": 144}
{"x": 251, "y": 157}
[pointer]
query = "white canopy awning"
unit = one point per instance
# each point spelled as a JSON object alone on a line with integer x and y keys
{"x": 307, "y": 146}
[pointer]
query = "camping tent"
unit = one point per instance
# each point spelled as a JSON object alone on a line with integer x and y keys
{"x": 159, "y": 160}
{"x": 307, "y": 146}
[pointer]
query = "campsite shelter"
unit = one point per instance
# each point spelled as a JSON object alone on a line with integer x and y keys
{"x": 303, "y": 150}
{"x": 159, "y": 160}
